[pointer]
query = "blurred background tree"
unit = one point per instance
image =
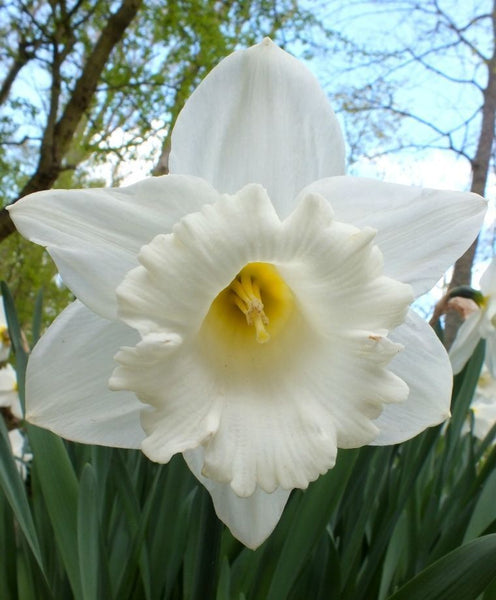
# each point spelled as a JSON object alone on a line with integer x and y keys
{"x": 446, "y": 50}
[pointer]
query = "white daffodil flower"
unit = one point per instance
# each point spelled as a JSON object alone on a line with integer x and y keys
{"x": 483, "y": 407}
{"x": 9, "y": 396}
{"x": 4, "y": 335}
{"x": 479, "y": 324}
{"x": 255, "y": 300}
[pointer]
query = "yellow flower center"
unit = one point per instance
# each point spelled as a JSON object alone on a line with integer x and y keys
{"x": 255, "y": 305}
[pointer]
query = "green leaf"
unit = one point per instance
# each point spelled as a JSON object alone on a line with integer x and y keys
{"x": 171, "y": 516}
{"x": 207, "y": 551}
{"x": 8, "y": 551}
{"x": 463, "y": 392}
{"x": 60, "y": 491}
{"x": 463, "y": 574}
{"x": 90, "y": 559}
{"x": 224, "y": 587}
{"x": 484, "y": 512}
{"x": 303, "y": 533}
{"x": 27, "y": 588}
{"x": 37, "y": 317}
{"x": 15, "y": 492}
{"x": 135, "y": 555}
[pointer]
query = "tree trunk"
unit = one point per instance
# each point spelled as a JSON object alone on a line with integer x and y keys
{"x": 462, "y": 272}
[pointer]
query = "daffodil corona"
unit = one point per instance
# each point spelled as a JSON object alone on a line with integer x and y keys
{"x": 279, "y": 304}
{"x": 250, "y": 310}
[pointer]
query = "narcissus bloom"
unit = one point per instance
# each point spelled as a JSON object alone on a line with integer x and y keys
{"x": 481, "y": 323}
{"x": 255, "y": 300}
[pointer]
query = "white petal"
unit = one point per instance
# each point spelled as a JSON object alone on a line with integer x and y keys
{"x": 259, "y": 117}
{"x": 8, "y": 378}
{"x": 160, "y": 370}
{"x": 274, "y": 432}
{"x": 3, "y": 316}
{"x": 16, "y": 408}
{"x": 9, "y": 396}
{"x": 4, "y": 334}
{"x": 8, "y": 386}
{"x": 335, "y": 271}
{"x": 94, "y": 235}
{"x": 4, "y": 350}
{"x": 421, "y": 232}
{"x": 466, "y": 340}
{"x": 250, "y": 520}
{"x": 425, "y": 367}
{"x": 488, "y": 279}
{"x": 483, "y": 407}
{"x": 484, "y": 419}
{"x": 66, "y": 382}
{"x": 17, "y": 442}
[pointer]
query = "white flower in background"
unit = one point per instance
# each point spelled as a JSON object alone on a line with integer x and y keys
{"x": 4, "y": 334}
{"x": 9, "y": 397}
{"x": 22, "y": 457}
{"x": 257, "y": 299}
{"x": 483, "y": 406}
{"x": 479, "y": 324}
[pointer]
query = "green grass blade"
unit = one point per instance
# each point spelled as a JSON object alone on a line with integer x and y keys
{"x": 463, "y": 574}
{"x": 8, "y": 551}
{"x": 15, "y": 492}
{"x": 37, "y": 317}
{"x": 171, "y": 516}
{"x": 224, "y": 587}
{"x": 59, "y": 487}
{"x": 304, "y": 533}
{"x": 90, "y": 557}
{"x": 207, "y": 553}
{"x": 484, "y": 512}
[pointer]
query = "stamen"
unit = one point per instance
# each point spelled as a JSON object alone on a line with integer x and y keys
{"x": 246, "y": 295}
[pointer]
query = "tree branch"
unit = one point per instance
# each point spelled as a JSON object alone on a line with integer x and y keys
{"x": 50, "y": 163}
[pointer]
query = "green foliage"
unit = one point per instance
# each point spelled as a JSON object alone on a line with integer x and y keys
{"x": 452, "y": 576}
{"x": 28, "y": 268}
{"x": 416, "y": 520}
